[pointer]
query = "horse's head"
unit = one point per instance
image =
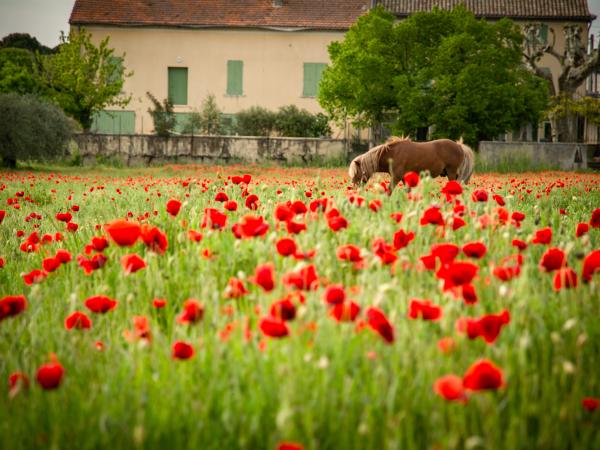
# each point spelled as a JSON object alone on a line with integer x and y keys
{"x": 356, "y": 172}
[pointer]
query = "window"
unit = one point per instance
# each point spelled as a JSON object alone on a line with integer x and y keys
{"x": 312, "y": 77}
{"x": 235, "y": 77}
{"x": 544, "y": 33}
{"x": 178, "y": 85}
{"x": 116, "y": 70}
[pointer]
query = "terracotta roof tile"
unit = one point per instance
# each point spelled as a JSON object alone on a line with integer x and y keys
{"x": 516, "y": 9}
{"x": 312, "y": 14}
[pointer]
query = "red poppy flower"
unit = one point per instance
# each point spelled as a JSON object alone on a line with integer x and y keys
{"x": 132, "y": 263}
{"x": 591, "y": 265}
{"x": 452, "y": 188}
{"x": 50, "y": 264}
{"x": 214, "y": 219}
{"x": 250, "y": 226}
{"x": 469, "y": 294}
{"x": 284, "y": 212}
{"x": 424, "y": 309}
{"x": 2, "y": 262}
{"x": 336, "y": 223}
{"x": 235, "y": 288}
{"x": 474, "y": 249}
{"x": 411, "y": 179}
{"x": 286, "y": 247}
{"x": 543, "y": 236}
{"x": 499, "y": 200}
{"x": 99, "y": 243}
{"x": 231, "y": 205}
{"x": 159, "y": 303}
{"x": 349, "y": 252}
{"x": 12, "y": 305}
{"x": 303, "y": 279}
{"x": 553, "y": 259}
{"x": 272, "y": 327}
{"x": 64, "y": 217}
{"x": 173, "y": 207}
{"x": 595, "y": 219}
{"x": 90, "y": 264}
{"x": 221, "y": 197}
{"x": 289, "y": 446}
{"x": 590, "y": 404}
{"x": 299, "y": 207}
{"x": 346, "y": 311}
{"x": 446, "y": 345}
{"x": 565, "y": 278}
{"x": 283, "y": 310}
{"x": 252, "y": 202}
{"x": 432, "y": 216}
{"x": 34, "y": 277}
{"x": 450, "y": 387}
{"x": 483, "y": 375}
{"x": 264, "y": 276}
{"x": 377, "y": 320}
{"x": 194, "y": 235}
{"x": 375, "y": 205}
{"x": 50, "y": 375}
{"x": 63, "y": 256}
{"x": 457, "y": 223}
{"x": 479, "y": 195}
{"x": 295, "y": 227}
{"x": 78, "y": 320}
{"x": 446, "y": 252}
{"x": 521, "y": 245}
{"x": 141, "y": 330}
{"x": 517, "y": 216}
{"x": 100, "y": 304}
{"x": 402, "y": 239}
{"x": 384, "y": 251}
{"x": 2, "y": 215}
{"x": 72, "y": 226}
{"x": 16, "y": 381}
{"x": 487, "y": 326}
{"x": 123, "y": 232}
{"x": 582, "y": 228}
{"x": 457, "y": 273}
{"x": 506, "y": 273}
{"x": 182, "y": 350}
{"x": 193, "y": 311}
{"x": 334, "y": 294}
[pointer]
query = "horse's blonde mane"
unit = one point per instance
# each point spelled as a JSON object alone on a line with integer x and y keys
{"x": 395, "y": 139}
{"x": 465, "y": 170}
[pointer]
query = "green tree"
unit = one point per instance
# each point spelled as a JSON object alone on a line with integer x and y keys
{"x": 440, "y": 69}
{"x": 83, "y": 78}
{"x": 31, "y": 128}
{"x": 162, "y": 116}
{"x": 255, "y": 121}
{"x": 24, "y": 41}
{"x": 17, "y": 72}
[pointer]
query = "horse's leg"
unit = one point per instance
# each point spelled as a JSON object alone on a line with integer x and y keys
{"x": 451, "y": 173}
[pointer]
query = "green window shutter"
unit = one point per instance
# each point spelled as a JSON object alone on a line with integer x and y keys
{"x": 235, "y": 77}
{"x": 114, "y": 122}
{"x": 178, "y": 85}
{"x": 544, "y": 33}
{"x": 117, "y": 67}
{"x": 312, "y": 77}
{"x": 180, "y": 120}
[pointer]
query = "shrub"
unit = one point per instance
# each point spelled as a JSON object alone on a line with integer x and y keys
{"x": 255, "y": 121}
{"x": 162, "y": 115}
{"x": 31, "y": 128}
{"x": 293, "y": 122}
{"x": 207, "y": 121}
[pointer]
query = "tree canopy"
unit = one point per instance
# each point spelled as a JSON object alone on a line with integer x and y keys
{"x": 24, "y": 41}
{"x": 83, "y": 78}
{"x": 441, "y": 69}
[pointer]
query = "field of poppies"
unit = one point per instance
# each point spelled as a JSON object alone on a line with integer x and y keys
{"x": 232, "y": 307}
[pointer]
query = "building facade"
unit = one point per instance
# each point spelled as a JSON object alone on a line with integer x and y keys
{"x": 271, "y": 53}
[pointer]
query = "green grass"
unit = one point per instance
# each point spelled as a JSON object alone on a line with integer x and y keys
{"x": 333, "y": 388}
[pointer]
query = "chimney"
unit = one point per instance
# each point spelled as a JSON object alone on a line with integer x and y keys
{"x": 277, "y": 3}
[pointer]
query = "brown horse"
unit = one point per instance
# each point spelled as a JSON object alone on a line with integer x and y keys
{"x": 400, "y": 155}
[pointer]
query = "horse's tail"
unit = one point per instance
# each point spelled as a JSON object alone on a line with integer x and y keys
{"x": 465, "y": 169}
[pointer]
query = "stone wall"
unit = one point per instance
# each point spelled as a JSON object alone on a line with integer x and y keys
{"x": 147, "y": 149}
{"x": 562, "y": 155}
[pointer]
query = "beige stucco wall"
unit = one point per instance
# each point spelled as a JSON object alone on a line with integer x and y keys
{"x": 272, "y": 74}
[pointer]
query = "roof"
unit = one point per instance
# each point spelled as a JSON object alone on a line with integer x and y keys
{"x": 292, "y": 14}
{"x": 573, "y": 10}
